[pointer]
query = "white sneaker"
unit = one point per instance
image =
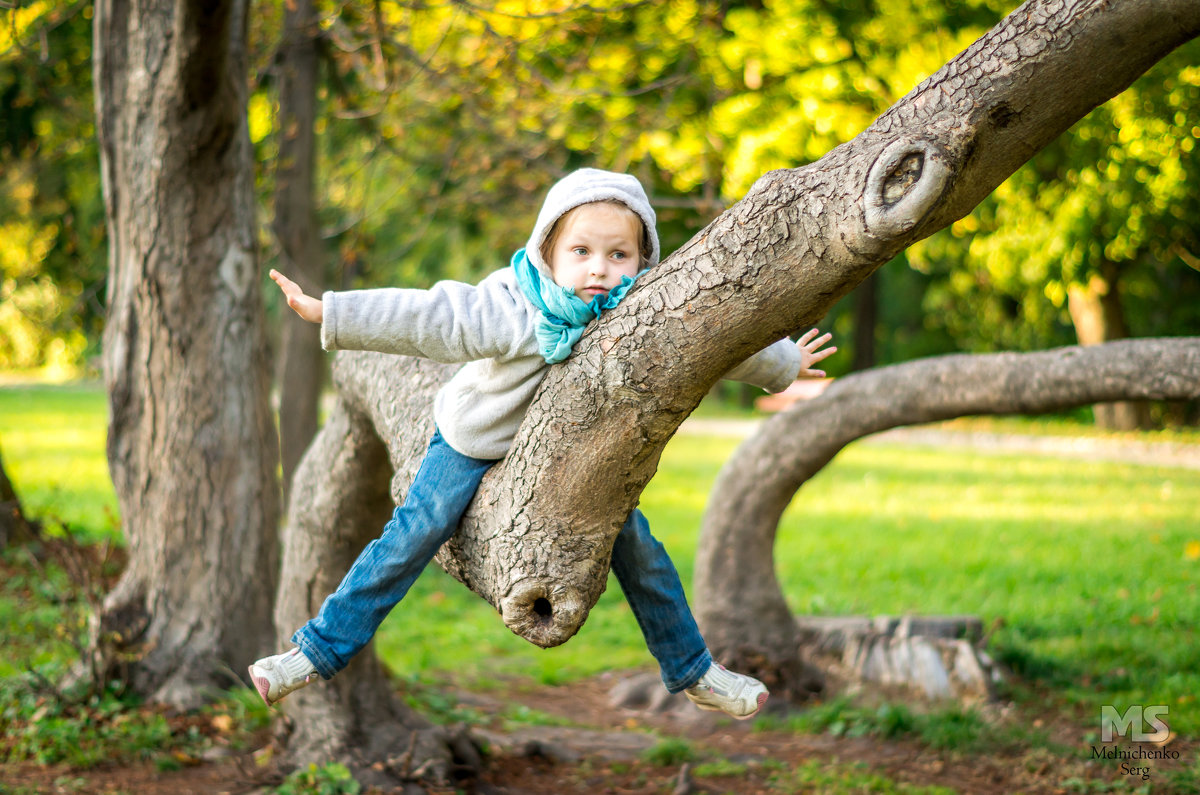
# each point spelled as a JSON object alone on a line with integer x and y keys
{"x": 274, "y": 677}
{"x": 722, "y": 690}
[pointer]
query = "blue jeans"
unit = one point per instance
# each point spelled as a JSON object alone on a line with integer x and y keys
{"x": 436, "y": 501}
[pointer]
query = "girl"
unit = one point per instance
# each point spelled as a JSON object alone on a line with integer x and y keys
{"x": 594, "y": 234}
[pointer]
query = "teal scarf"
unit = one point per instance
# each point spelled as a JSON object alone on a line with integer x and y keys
{"x": 563, "y": 314}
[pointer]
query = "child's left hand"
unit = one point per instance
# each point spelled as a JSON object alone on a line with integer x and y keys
{"x": 811, "y": 353}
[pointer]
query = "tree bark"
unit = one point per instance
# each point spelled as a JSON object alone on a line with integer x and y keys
{"x": 738, "y": 600}
{"x": 301, "y": 360}
{"x": 14, "y": 527}
{"x": 536, "y": 541}
{"x": 192, "y": 449}
{"x": 1099, "y": 317}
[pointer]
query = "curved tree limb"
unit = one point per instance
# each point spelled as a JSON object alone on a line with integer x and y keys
{"x": 738, "y": 600}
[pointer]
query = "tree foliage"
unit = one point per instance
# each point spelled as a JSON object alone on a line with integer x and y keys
{"x": 441, "y": 124}
{"x": 1112, "y": 200}
{"x": 51, "y": 215}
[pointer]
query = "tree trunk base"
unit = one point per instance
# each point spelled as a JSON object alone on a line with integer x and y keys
{"x": 929, "y": 658}
{"x": 935, "y": 658}
{"x": 357, "y": 720}
{"x": 15, "y": 528}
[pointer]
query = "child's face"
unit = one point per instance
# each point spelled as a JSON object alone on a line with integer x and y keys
{"x": 596, "y": 246}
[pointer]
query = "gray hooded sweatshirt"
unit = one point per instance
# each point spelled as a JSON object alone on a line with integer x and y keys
{"x": 490, "y": 326}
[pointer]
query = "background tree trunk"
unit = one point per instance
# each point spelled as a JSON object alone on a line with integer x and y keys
{"x": 14, "y": 527}
{"x": 866, "y": 316}
{"x": 536, "y": 541}
{"x": 738, "y": 601}
{"x": 191, "y": 447}
{"x": 1098, "y": 317}
{"x": 301, "y": 360}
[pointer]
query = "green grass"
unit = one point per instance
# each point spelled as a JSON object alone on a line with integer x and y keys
{"x": 38, "y": 624}
{"x": 1089, "y": 568}
{"x": 47, "y": 726}
{"x": 847, "y": 779}
{"x": 52, "y": 439}
{"x": 950, "y": 728}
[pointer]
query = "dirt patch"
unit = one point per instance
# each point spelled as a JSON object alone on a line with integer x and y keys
{"x": 677, "y": 750}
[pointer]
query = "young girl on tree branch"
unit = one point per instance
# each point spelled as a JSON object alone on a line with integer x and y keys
{"x": 594, "y": 235}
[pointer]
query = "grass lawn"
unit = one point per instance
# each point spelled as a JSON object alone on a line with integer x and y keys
{"x": 1089, "y": 569}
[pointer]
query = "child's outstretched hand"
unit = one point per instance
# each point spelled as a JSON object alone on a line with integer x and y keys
{"x": 306, "y": 306}
{"x": 811, "y": 353}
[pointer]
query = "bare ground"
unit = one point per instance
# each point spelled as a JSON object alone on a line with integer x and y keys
{"x": 605, "y": 749}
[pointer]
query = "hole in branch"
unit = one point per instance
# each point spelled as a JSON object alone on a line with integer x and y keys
{"x": 902, "y": 178}
{"x": 541, "y": 606}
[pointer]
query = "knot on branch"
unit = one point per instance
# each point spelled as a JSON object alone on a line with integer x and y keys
{"x": 544, "y": 612}
{"x": 902, "y": 186}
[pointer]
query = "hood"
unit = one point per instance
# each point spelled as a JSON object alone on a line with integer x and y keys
{"x": 584, "y": 186}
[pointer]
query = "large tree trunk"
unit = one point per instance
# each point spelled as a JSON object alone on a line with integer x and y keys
{"x": 738, "y": 601}
{"x": 301, "y": 360}
{"x": 537, "y": 539}
{"x": 14, "y": 527}
{"x": 1099, "y": 317}
{"x": 191, "y": 448}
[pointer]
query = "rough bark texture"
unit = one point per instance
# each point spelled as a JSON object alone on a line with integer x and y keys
{"x": 14, "y": 527}
{"x": 738, "y": 600}
{"x": 301, "y": 360}
{"x": 537, "y": 539}
{"x": 191, "y": 447}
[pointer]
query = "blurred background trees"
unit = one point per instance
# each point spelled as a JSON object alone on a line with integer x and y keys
{"x": 438, "y": 125}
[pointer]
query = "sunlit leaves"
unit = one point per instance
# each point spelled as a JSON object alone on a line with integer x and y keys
{"x": 1114, "y": 196}
{"x": 51, "y": 241}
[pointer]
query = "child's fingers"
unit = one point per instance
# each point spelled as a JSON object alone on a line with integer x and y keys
{"x": 808, "y": 335}
{"x": 817, "y": 343}
{"x": 289, "y": 287}
{"x": 824, "y": 354}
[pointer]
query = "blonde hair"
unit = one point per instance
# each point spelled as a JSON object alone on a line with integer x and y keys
{"x": 645, "y": 247}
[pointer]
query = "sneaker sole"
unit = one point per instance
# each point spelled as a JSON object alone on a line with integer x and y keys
{"x": 262, "y": 685}
{"x": 762, "y": 699}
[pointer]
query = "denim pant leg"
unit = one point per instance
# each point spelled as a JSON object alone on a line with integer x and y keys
{"x": 388, "y": 566}
{"x": 652, "y": 586}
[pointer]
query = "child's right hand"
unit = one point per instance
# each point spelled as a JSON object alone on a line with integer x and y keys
{"x": 306, "y": 306}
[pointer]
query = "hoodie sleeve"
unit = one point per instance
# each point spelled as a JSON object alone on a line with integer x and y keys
{"x": 450, "y": 322}
{"x": 773, "y": 368}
